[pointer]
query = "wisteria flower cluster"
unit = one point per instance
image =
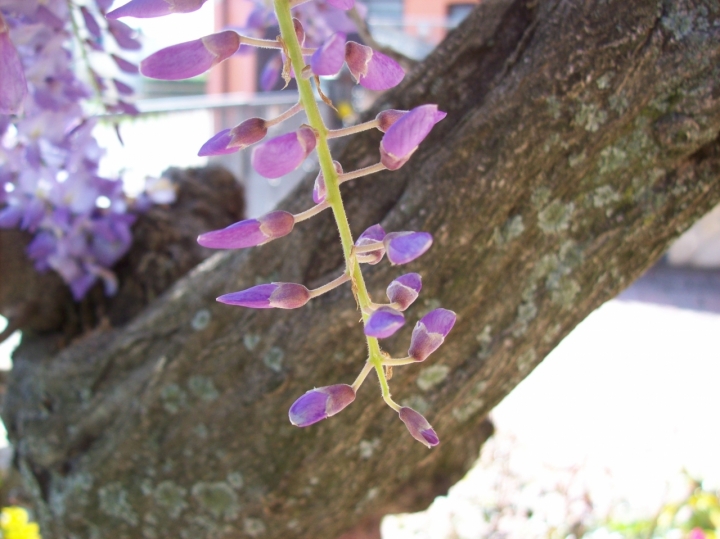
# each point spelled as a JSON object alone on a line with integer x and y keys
{"x": 49, "y": 159}
{"x": 279, "y": 155}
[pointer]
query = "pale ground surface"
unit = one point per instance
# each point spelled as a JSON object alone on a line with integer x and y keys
{"x": 626, "y": 402}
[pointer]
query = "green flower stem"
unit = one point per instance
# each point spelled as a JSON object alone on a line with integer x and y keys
{"x": 307, "y": 97}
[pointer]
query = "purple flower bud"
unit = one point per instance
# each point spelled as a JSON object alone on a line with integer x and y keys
{"x": 404, "y": 136}
{"x": 319, "y": 189}
{"x": 329, "y": 58}
{"x": 248, "y": 132}
{"x": 320, "y": 403}
{"x": 342, "y": 4}
{"x": 384, "y": 322}
{"x": 144, "y": 9}
{"x": 124, "y": 65}
{"x": 123, "y": 35}
{"x": 192, "y": 58}
{"x": 281, "y": 155}
{"x": 372, "y": 69}
{"x": 404, "y": 247}
{"x": 250, "y": 232}
{"x": 419, "y": 427}
{"x": 13, "y": 87}
{"x": 373, "y": 234}
{"x": 90, "y": 23}
{"x": 404, "y": 290}
{"x": 430, "y": 332}
{"x": 268, "y": 296}
{"x": 387, "y": 118}
{"x": 217, "y": 145}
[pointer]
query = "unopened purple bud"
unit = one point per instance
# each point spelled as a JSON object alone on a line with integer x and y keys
{"x": 372, "y": 69}
{"x": 387, "y": 118}
{"x": 145, "y": 9}
{"x": 384, "y": 322}
{"x": 320, "y": 189}
{"x": 329, "y": 58}
{"x": 419, "y": 427}
{"x": 268, "y": 296}
{"x": 124, "y": 65}
{"x": 250, "y": 232}
{"x": 404, "y": 247}
{"x": 373, "y": 234}
{"x": 320, "y": 403}
{"x": 218, "y": 145}
{"x": 13, "y": 86}
{"x": 342, "y": 4}
{"x": 404, "y": 136}
{"x": 430, "y": 332}
{"x": 248, "y": 132}
{"x": 281, "y": 155}
{"x": 192, "y": 58}
{"x": 404, "y": 290}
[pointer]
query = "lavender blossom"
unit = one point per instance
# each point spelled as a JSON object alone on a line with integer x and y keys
{"x": 419, "y": 427}
{"x": 143, "y": 9}
{"x": 404, "y": 247}
{"x": 372, "y": 235}
{"x": 281, "y": 155}
{"x": 13, "y": 87}
{"x": 320, "y": 403}
{"x": 430, "y": 332}
{"x": 192, "y": 58}
{"x": 384, "y": 322}
{"x": 269, "y": 296}
{"x": 403, "y": 137}
{"x": 404, "y": 290}
{"x": 372, "y": 69}
{"x": 250, "y": 232}
{"x": 217, "y": 144}
{"x": 329, "y": 58}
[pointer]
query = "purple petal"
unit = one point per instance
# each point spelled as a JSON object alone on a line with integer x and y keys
{"x": 10, "y": 217}
{"x": 283, "y": 154}
{"x": 123, "y": 88}
{"x": 404, "y": 290}
{"x": 373, "y": 234}
{"x": 124, "y": 65}
{"x": 257, "y": 297}
{"x": 248, "y": 132}
{"x": 320, "y": 189}
{"x": 373, "y": 70}
{"x": 419, "y": 427}
{"x": 439, "y": 321}
{"x": 90, "y": 23}
{"x": 404, "y": 247}
{"x": 384, "y": 322}
{"x": 330, "y": 57}
{"x": 123, "y": 35}
{"x": 143, "y": 9}
{"x": 218, "y": 145}
{"x": 320, "y": 403}
{"x": 192, "y": 58}
{"x": 13, "y": 87}
{"x": 249, "y": 232}
{"x": 342, "y": 4}
{"x": 404, "y": 136}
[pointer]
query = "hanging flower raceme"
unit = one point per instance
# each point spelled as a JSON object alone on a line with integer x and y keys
{"x": 325, "y": 52}
{"x": 49, "y": 159}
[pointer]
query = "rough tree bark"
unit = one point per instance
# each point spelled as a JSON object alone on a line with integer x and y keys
{"x": 581, "y": 138}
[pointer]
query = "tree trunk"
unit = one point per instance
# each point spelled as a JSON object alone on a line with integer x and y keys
{"x": 581, "y": 138}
